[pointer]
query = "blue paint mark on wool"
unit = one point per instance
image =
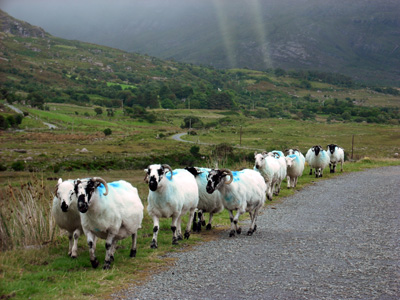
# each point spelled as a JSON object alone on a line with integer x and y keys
{"x": 168, "y": 175}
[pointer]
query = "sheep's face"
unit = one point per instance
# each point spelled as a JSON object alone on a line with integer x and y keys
{"x": 155, "y": 173}
{"x": 332, "y": 148}
{"x": 65, "y": 193}
{"x": 259, "y": 161}
{"x": 214, "y": 180}
{"x": 316, "y": 149}
{"x": 84, "y": 190}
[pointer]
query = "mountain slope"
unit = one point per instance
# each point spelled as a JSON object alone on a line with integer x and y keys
{"x": 358, "y": 38}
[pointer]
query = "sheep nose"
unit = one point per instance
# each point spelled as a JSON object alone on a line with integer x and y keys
{"x": 209, "y": 189}
{"x": 64, "y": 206}
{"x": 153, "y": 185}
{"x": 82, "y": 205}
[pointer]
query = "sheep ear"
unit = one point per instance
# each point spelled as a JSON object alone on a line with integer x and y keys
{"x": 146, "y": 170}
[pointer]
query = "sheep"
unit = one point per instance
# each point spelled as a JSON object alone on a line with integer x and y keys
{"x": 295, "y": 166}
{"x": 66, "y": 214}
{"x": 244, "y": 191}
{"x": 336, "y": 155}
{"x": 172, "y": 193}
{"x": 317, "y": 158}
{"x": 283, "y": 169}
{"x": 269, "y": 167}
{"x": 210, "y": 203}
{"x": 110, "y": 211}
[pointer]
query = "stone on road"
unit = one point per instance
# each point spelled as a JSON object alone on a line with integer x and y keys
{"x": 336, "y": 239}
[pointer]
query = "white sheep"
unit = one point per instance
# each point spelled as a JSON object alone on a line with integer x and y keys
{"x": 283, "y": 169}
{"x": 317, "y": 158}
{"x": 336, "y": 155}
{"x": 172, "y": 193}
{"x": 270, "y": 168}
{"x": 111, "y": 212}
{"x": 66, "y": 214}
{"x": 243, "y": 191}
{"x": 295, "y": 166}
{"x": 208, "y": 203}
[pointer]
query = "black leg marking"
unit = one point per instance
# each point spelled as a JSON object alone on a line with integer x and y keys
{"x": 174, "y": 241}
{"x": 95, "y": 263}
{"x": 155, "y": 229}
{"x": 231, "y": 219}
{"x": 239, "y": 230}
{"x": 250, "y": 232}
{"x": 208, "y": 226}
{"x": 90, "y": 245}
{"x": 76, "y": 236}
{"x": 232, "y": 233}
{"x": 108, "y": 246}
{"x": 107, "y": 264}
{"x": 153, "y": 244}
{"x": 133, "y": 253}
{"x": 199, "y": 226}
{"x": 187, "y": 235}
{"x": 173, "y": 228}
{"x": 180, "y": 237}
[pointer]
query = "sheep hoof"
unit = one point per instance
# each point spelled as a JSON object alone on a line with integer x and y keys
{"x": 250, "y": 232}
{"x": 180, "y": 237}
{"x": 153, "y": 244}
{"x": 239, "y": 230}
{"x": 232, "y": 233}
{"x": 73, "y": 256}
{"x": 133, "y": 253}
{"x": 174, "y": 241}
{"x": 107, "y": 265}
{"x": 187, "y": 235}
{"x": 203, "y": 223}
{"x": 95, "y": 263}
{"x": 208, "y": 227}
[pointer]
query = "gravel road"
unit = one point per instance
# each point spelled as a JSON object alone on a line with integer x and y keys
{"x": 336, "y": 239}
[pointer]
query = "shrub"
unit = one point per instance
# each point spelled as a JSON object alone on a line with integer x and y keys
{"x": 18, "y": 165}
{"x": 107, "y": 131}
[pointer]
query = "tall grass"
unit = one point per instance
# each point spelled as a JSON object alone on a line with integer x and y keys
{"x": 25, "y": 215}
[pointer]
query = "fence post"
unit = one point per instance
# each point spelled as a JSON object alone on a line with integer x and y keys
{"x": 352, "y": 147}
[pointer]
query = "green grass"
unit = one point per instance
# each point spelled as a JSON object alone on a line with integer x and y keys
{"x": 48, "y": 273}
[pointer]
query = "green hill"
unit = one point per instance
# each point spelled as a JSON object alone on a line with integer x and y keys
{"x": 38, "y": 68}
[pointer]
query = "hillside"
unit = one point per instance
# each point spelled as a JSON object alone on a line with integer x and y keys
{"x": 357, "y": 38}
{"x": 38, "y": 68}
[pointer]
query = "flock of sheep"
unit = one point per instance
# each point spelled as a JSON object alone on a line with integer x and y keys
{"x": 113, "y": 211}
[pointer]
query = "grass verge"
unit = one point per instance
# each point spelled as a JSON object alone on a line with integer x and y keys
{"x": 46, "y": 272}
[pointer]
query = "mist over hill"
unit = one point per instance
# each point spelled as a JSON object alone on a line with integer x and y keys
{"x": 359, "y": 38}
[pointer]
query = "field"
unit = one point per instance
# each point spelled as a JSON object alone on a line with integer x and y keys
{"x": 34, "y": 262}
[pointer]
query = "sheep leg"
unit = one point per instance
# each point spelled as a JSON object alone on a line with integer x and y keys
{"x": 341, "y": 166}
{"x": 236, "y": 220}
{"x": 311, "y": 171}
{"x": 209, "y": 222}
{"x": 288, "y": 181}
{"x": 253, "y": 217}
{"x": 156, "y": 227}
{"x": 200, "y": 220}
{"x": 191, "y": 215}
{"x": 74, "y": 250}
{"x": 294, "y": 182}
{"x": 175, "y": 232}
{"x": 195, "y": 228}
{"x": 110, "y": 245}
{"x": 91, "y": 240}
{"x": 133, "y": 248}
{"x": 232, "y": 232}
{"x": 269, "y": 190}
{"x": 179, "y": 228}
{"x": 70, "y": 235}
